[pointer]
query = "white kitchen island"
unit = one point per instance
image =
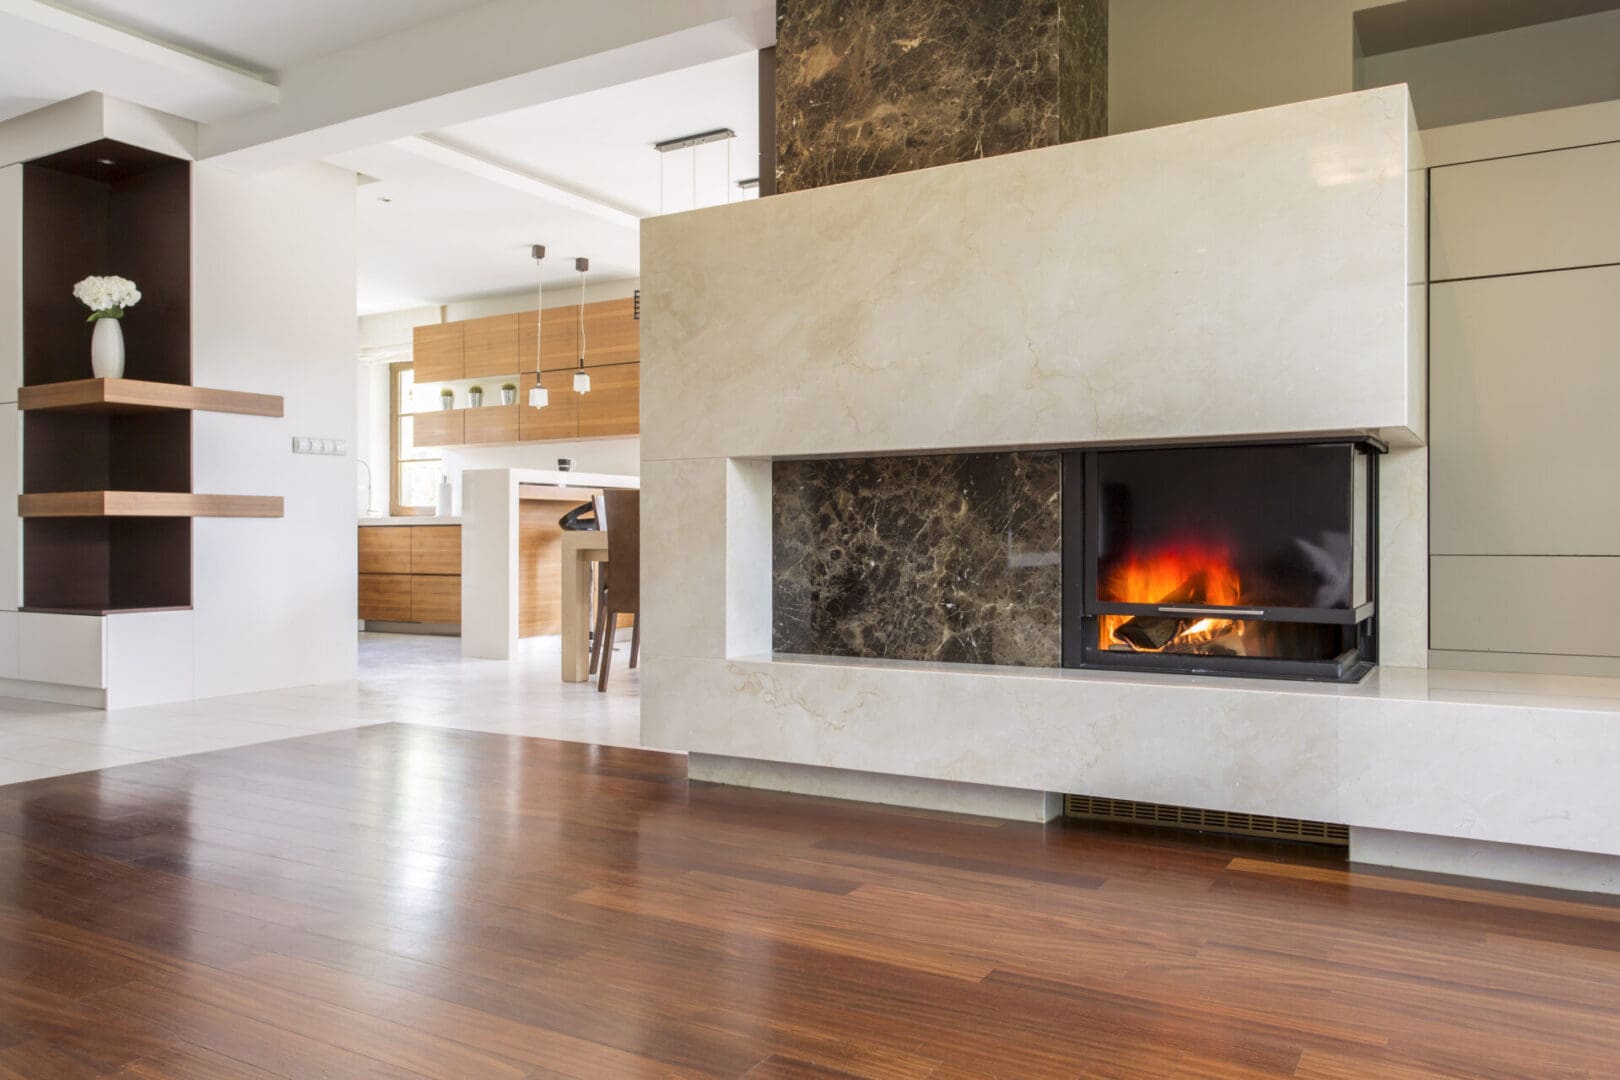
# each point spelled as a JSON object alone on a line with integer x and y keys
{"x": 490, "y": 572}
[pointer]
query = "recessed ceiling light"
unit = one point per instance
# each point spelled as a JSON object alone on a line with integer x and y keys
{"x": 384, "y": 198}
{"x": 105, "y": 161}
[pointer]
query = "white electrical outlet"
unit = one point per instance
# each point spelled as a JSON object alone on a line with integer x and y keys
{"x": 304, "y": 444}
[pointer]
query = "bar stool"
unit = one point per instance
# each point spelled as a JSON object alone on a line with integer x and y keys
{"x": 620, "y": 592}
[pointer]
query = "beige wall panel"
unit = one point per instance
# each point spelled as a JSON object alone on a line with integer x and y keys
{"x": 1535, "y": 212}
{"x": 1526, "y": 377}
{"x": 1523, "y": 604}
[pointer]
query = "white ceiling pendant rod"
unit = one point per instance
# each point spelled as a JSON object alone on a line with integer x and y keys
{"x": 582, "y": 378}
{"x": 539, "y": 397}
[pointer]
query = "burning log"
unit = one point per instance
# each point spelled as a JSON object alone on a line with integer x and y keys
{"x": 1151, "y": 633}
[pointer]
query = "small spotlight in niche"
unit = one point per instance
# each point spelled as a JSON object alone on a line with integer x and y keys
{"x": 105, "y": 161}
{"x": 384, "y": 198}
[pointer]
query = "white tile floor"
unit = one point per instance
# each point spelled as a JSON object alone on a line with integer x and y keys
{"x": 403, "y": 677}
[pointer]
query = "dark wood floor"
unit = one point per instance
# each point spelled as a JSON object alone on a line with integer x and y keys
{"x": 404, "y": 901}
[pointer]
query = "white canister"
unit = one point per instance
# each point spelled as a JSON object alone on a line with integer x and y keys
{"x": 444, "y": 497}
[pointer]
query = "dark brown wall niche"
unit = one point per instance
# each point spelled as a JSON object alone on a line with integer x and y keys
{"x": 870, "y": 87}
{"x": 132, "y": 217}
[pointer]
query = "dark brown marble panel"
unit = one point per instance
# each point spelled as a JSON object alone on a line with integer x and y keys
{"x": 871, "y": 87}
{"x": 950, "y": 557}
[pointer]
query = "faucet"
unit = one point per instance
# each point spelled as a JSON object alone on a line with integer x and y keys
{"x": 364, "y": 465}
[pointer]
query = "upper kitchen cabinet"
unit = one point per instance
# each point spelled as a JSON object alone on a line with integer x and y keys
{"x": 438, "y": 352}
{"x": 612, "y": 335}
{"x": 491, "y": 347}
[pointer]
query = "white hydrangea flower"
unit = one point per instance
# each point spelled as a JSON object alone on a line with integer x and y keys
{"x": 107, "y": 297}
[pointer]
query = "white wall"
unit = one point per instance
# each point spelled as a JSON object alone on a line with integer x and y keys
{"x": 1548, "y": 66}
{"x": 273, "y": 302}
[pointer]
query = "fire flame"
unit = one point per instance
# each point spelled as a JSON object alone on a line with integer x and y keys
{"x": 1186, "y": 574}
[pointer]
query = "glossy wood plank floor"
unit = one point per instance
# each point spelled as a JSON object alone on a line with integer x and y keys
{"x": 402, "y": 901}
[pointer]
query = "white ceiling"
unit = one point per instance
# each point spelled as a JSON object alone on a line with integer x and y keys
{"x": 455, "y": 207}
{"x": 447, "y": 234}
{"x": 602, "y": 141}
{"x": 266, "y": 37}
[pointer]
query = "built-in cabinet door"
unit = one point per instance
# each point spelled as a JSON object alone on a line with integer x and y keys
{"x": 560, "y": 417}
{"x": 1525, "y": 377}
{"x": 437, "y": 352}
{"x": 1520, "y": 214}
{"x": 492, "y": 424}
{"x": 435, "y": 599}
{"x": 490, "y": 347}
{"x": 443, "y": 428}
{"x": 8, "y": 643}
{"x": 386, "y": 597}
{"x": 69, "y": 650}
{"x": 385, "y": 549}
{"x": 435, "y": 549}
{"x": 613, "y": 406}
{"x": 612, "y": 335}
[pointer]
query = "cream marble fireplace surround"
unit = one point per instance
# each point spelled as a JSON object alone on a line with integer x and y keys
{"x": 1255, "y": 274}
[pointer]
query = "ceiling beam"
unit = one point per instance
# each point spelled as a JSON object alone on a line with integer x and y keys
{"x": 129, "y": 65}
{"x": 438, "y": 150}
{"x": 501, "y": 56}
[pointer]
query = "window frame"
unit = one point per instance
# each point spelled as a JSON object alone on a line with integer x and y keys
{"x": 395, "y": 486}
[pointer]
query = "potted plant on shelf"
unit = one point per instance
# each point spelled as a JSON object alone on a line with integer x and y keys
{"x": 508, "y": 394}
{"x": 447, "y": 399}
{"x": 107, "y": 298}
{"x": 475, "y": 396}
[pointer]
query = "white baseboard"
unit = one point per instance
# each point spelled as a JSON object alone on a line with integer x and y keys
{"x": 1580, "y": 871}
{"x": 55, "y": 693}
{"x": 982, "y": 800}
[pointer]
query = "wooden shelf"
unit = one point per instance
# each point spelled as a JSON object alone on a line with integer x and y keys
{"x": 115, "y": 396}
{"x": 166, "y": 504}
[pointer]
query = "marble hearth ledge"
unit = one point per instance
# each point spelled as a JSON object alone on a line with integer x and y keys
{"x": 1505, "y": 759}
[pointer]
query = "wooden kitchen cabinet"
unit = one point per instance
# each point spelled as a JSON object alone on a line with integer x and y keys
{"x": 560, "y": 418}
{"x": 490, "y": 348}
{"x": 435, "y": 549}
{"x": 613, "y": 406}
{"x": 444, "y": 428}
{"x": 385, "y": 550}
{"x": 437, "y": 352}
{"x": 385, "y": 597}
{"x": 493, "y": 423}
{"x": 423, "y": 582}
{"x": 612, "y": 335}
{"x": 503, "y": 348}
{"x": 435, "y": 599}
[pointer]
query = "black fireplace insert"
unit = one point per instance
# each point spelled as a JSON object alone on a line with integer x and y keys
{"x": 1234, "y": 559}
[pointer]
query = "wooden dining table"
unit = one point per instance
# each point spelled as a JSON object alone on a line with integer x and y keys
{"x": 580, "y": 551}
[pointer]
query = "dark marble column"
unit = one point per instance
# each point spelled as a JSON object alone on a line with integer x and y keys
{"x": 870, "y": 87}
{"x": 953, "y": 557}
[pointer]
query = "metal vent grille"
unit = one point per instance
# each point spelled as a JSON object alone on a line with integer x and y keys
{"x": 638, "y": 303}
{"x": 1219, "y": 821}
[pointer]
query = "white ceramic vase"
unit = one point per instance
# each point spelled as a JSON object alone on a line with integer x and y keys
{"x": 107, "y": 349}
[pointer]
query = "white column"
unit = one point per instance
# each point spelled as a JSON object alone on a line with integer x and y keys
{"x": 489, "y": 564}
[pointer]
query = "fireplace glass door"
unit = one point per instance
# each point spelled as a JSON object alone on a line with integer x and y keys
{"x": 1253, "y": 559}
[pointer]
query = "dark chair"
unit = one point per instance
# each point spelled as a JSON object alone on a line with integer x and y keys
{"x": 621, "y": 592}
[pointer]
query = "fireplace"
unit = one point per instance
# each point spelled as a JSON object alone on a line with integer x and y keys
{"x": 1238, "y": 559}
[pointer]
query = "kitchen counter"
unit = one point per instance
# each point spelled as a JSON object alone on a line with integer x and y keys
{"x": 418, "y": 519}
